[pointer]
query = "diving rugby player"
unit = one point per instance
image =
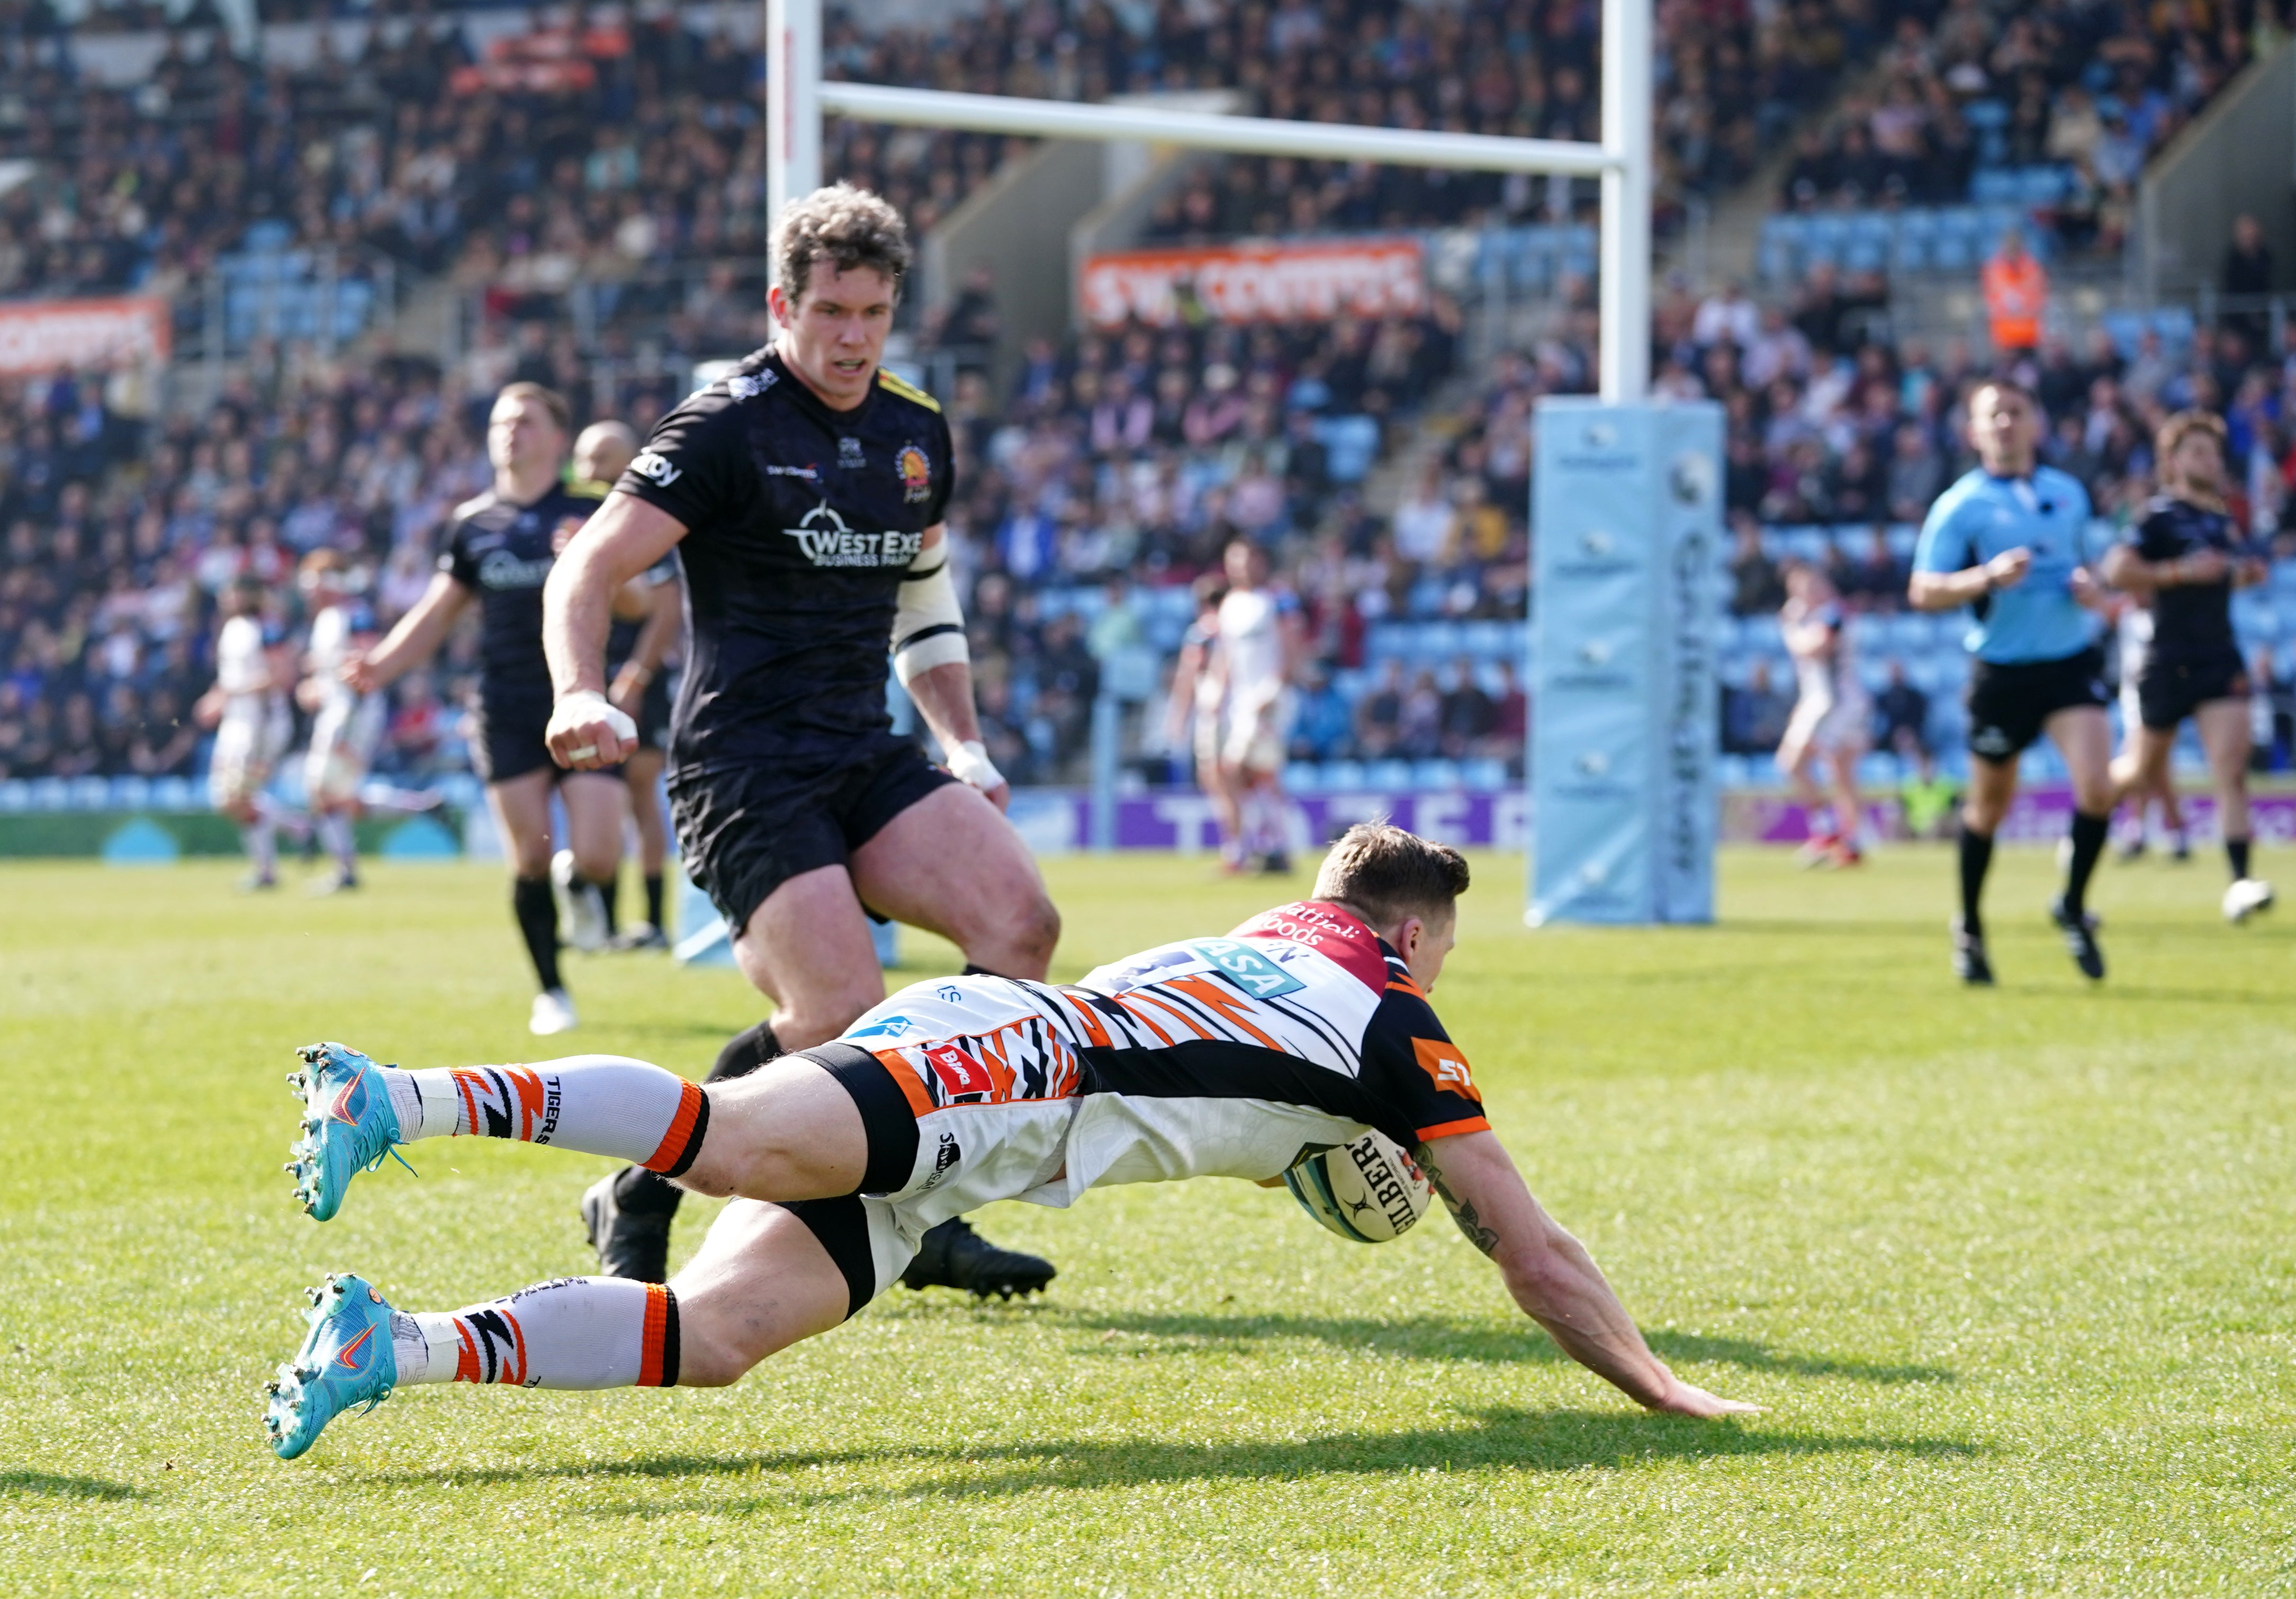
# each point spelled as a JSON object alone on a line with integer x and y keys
{"x": 2005, "y": 541}
{"x": 1232, "y": 1057}
{"x": 2184, "y": 559}
{"x": 499, "y": 551}
{"x": 805, "y": 493}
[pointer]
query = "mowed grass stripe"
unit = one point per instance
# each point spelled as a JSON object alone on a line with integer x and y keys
{"x": 2011, "y": 1270}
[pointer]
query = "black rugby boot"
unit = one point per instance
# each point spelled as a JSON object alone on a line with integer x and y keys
{"x": 628, "y": 1216}
{"x": 952, "y": 1255}
{"x": 2079, "y": 930}
{"x": 1969, "y": 962}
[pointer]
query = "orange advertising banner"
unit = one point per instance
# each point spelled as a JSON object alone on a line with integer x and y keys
{"x": 1298, "y": 282}
{"x": 41, "y": 335}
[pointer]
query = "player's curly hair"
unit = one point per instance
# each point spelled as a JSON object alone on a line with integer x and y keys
{"x": 846, "y": 227}
{"x": 1384, "y": 874}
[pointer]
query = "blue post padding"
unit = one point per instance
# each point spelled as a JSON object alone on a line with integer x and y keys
{"x": 140, "y": 841}
{"x": 420, "y": 839}
{"x": 1627, "y": 536}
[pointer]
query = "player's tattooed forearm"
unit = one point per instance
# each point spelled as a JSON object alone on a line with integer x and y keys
{"x": 1463, "y": 1214}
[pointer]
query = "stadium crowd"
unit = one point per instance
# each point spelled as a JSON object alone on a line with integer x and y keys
{"x": 2090, "y": 90}
{"x": 1120, "y": 464}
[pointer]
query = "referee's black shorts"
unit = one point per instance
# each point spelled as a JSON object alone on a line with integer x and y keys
{"x": 2010, "y": 703}
{"x": 2170, "y": 691}
{"x": 745, "y": 832}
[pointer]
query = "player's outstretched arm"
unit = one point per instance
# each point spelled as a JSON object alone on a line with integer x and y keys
{"x": 414, "y": 641}
{"x": 624, "y": 536}
{"x": 1551, "y": 1277}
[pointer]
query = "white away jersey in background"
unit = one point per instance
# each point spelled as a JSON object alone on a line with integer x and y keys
{"x": 1250, "y": 635}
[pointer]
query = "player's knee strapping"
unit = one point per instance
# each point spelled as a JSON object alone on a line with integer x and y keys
{"x": 597, "y": 1104}
{"x": 574, "y": 1333}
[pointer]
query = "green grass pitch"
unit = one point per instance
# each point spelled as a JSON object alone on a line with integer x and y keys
{"x": 2011, "y": 1272}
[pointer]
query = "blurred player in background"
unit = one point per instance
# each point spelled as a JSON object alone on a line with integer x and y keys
{"x": 2006, "y": 542}
{"x": 253, "y": 724}
{"x": 1192, "y": 716}
{"x": 345, "y": 723}
{"x": 2133, "y": 641}
{"x": 1832, "y": 715}
{"x": 649, "y": 615}
{"x": 499, "y": 550}
{"x": 2186, "y": 557}
{"x": 805, "y": 495}
{"x": 1260, "y": 652}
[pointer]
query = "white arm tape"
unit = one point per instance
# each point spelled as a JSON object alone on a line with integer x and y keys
{"x": 587, "y": 702}
{"x": 928, "y": 626}
{"x": 969, "y": 764}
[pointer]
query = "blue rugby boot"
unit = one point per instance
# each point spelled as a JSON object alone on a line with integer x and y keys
{"x": 346, "y": 1360}
{"x": 349, "y": 1126}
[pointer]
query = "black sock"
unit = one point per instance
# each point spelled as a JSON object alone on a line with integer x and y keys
{"x": 653, "y": 898}
{"x": 748, "y": 1049}
{"x": 2236, "y": 852}
{"x": 609, "y": 894}
{"x": 531, "y": 900}
{"x": 1976, "y": 859}
{"x": 2089, "y": 835}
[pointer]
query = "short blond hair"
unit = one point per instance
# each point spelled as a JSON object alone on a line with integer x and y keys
{"x": 549, "y": 400}
{"x": 1385, "y": 874}
{"x": 846, "y": 227}
{"x": 2182, "y": 425}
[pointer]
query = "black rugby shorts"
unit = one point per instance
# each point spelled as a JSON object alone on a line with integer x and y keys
{"x": 745, "y": 832}
{"x": 840, "y": 1224}
{"x": 2170, "y": 691}
{"x": 512, "y": 737}
{"x": 2010, "y": 704}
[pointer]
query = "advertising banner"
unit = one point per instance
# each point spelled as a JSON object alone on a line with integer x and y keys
{"x": 42, "y": 335}
{"x": 1626, "y": 542}
{"x": 1284, "y": 281}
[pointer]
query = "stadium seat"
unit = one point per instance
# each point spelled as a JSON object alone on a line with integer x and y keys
{"x": 173, "y": 793}
{"x": 1340, "y": 775}
{"x": 15, "y": 794}
{"x": 1386, "y": 774}
{"x": 1484, "y": 774}
{"x": 1440, "y": 776}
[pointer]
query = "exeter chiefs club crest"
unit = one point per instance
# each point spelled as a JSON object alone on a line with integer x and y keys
{"x": 915, "y": 468}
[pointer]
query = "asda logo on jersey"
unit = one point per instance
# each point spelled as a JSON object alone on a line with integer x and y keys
{"x": 827, "y": 541}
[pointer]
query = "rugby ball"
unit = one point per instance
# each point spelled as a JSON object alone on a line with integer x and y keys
{"x": 1367, "y": 1192}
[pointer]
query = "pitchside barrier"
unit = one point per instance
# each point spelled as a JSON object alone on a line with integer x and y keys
{"x": 1627, "y": 540}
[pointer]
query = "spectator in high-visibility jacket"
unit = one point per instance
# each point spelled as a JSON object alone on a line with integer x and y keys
{"x": 2016, "y": 293}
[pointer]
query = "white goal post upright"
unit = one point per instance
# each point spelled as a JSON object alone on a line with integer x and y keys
{"x": 1621, "y": 669}
{"x": 797, "y": 98}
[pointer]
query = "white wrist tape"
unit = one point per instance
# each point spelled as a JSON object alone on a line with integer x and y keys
{"x": 970, "y": 765}
{"x": 585, "y": 703}
{"x": 928, "y": 625}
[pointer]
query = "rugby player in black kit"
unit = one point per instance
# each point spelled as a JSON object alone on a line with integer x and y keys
{"x": 805, "y": 493}
{"x": 2184, "y": 559}
{"x": 498, "y": 550}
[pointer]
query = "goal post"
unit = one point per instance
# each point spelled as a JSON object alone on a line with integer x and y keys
{"x": 797, "y": 98}
{"x": 1656, "y": 502}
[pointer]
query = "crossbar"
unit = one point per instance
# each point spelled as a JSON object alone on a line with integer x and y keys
{"x": 1203, "y": 130}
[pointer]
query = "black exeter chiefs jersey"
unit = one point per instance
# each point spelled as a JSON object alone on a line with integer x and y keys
{"x": 2192, "y": 623}
{"x": 504, "y": 552}
{"x": 800, "y": 523}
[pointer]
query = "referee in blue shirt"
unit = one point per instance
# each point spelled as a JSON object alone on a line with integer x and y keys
{"x": 2006, "y": 541}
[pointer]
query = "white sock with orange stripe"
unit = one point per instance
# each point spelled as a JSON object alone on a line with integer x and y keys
{"x": 596, "y": 1105}
{"x": 572, "y": 1332}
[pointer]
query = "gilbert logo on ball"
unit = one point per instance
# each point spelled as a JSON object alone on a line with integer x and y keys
{"x": 1367, "y": 1192}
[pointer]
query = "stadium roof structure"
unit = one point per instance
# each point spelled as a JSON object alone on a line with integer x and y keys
{"x": 798, "y": 98}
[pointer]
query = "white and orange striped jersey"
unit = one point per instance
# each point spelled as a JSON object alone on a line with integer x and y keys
{"x": 1234, "y": 1056}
